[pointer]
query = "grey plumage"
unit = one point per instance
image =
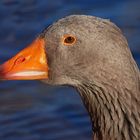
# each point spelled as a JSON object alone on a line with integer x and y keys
{"x": 101, "y": 67}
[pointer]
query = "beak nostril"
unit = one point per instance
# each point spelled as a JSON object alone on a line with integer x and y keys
{"x": 20, "y": 60}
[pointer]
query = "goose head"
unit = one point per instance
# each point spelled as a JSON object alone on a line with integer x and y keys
{"x": 92, "y": 55}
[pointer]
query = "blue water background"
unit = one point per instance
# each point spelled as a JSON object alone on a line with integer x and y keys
{"x": 30, "y": 110}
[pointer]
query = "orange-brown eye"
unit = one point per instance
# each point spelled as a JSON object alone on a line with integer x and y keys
{"x": 68, "y": 40}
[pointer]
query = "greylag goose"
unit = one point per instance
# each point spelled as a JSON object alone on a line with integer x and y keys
{"x": 92, "y": 55}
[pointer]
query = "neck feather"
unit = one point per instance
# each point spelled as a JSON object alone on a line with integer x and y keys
{"x": 114, "y": 114}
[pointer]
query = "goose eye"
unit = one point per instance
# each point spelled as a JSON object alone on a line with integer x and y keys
{"x": 68, "y": 40}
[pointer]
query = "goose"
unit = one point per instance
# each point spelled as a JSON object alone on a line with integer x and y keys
{"x": 92, "y": 55}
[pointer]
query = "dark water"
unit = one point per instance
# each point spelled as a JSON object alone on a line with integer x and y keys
{"x": 30, "y": 110}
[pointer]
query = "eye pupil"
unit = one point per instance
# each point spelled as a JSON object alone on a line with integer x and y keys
{"x": 69, "y": 39}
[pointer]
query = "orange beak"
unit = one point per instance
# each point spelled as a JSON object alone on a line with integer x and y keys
{"x": 30, "y": 63}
